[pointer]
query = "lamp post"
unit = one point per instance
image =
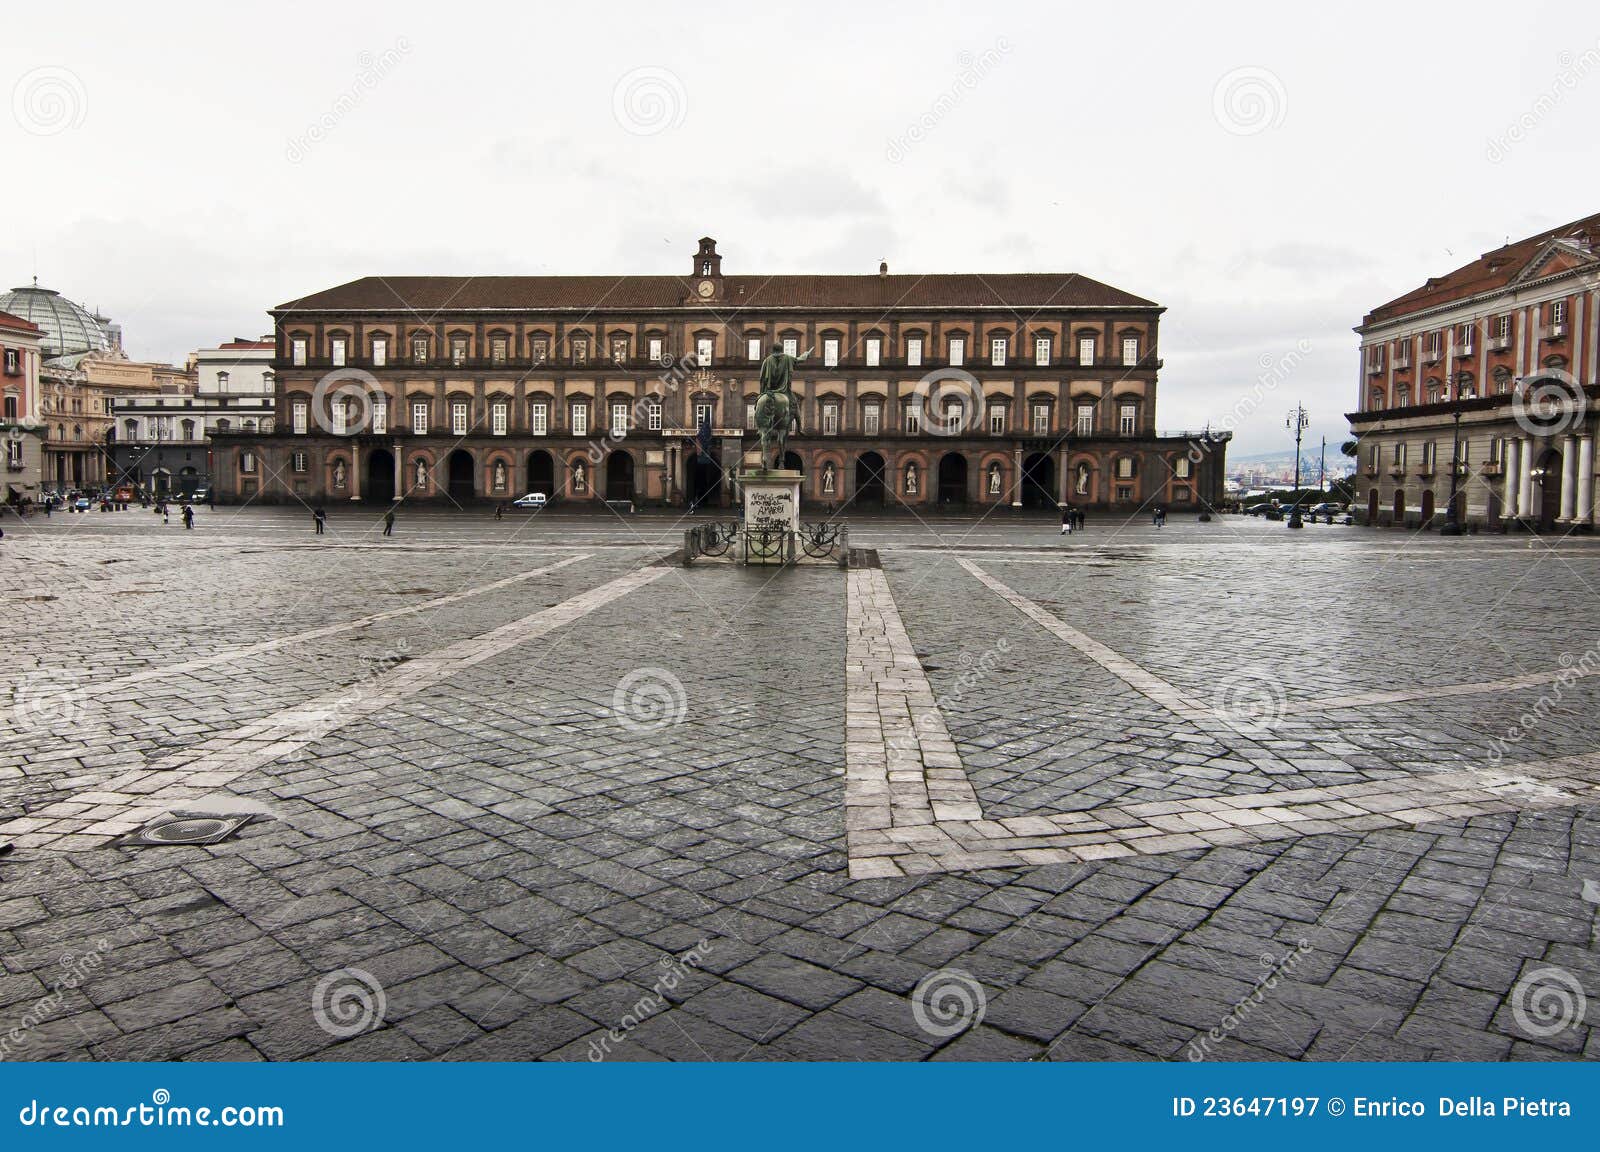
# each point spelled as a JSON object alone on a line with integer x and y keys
{"x": 1452, "y": 526}
{"x": 1297, "y": 423}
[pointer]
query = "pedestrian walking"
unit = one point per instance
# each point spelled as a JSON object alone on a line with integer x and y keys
{"x": 500, "y": 510}
{"x": 1066, "y": 520}
{"x": 165, "y": 519}
{"x": 1078, "y": 518}
{"x": 319, "y": 517}
{"x": 188, "y": 517}
{"x": 388, "y": 522}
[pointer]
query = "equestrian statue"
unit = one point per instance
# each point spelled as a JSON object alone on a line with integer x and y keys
{"x": 776, "y": 407}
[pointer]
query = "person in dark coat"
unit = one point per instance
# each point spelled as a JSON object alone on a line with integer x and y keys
{"x": 388, "y": 522}
{"x": 188, "y": 516}
{"x": 319, "y": 517}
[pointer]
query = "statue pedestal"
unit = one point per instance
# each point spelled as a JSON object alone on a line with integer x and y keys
{"x": 771, "y": 524}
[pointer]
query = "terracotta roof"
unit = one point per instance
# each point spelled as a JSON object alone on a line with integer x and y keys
{"x": 7, "y": 320}
{"x": 1496, "y": 269}
{"x": 428, "y": 295}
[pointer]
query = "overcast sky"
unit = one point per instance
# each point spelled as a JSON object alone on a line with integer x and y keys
{"x": 1267, "y": 172}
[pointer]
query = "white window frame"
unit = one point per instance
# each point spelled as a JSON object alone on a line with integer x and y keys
{"x": 299, "y": 413}
{"x": 619, "y": 418}
{"x": 958, "y": 351}
{"x": 497, "y": 417}
{"x": 1130, "y": 351}
{"x": 1041, "y": 419}
{"x": 580, "y": 419}
{"x": 380, "y": 351}
{"x": 704, "y": 413}
{"x": 914, "y": 351}
{"x": 336, "y": 351}
{"x": 791, "y": 347}
{"x": 1041, "y": 351}
{"x": 419, "y": 417}
{"x": 1086, "y": 351}
{"x": 874, "y": 351}
{"x": 297, "y": 351}
{"x": 458, "y": 351}
{"x": 830, "y": 418}
{"x": 380, "y": 415}
{"x": 913, "y": 418}
{"x": 752, "y": 349}
{"x": 458, "y": 418}
{"x": 653, "y": 415}
{"x": 997, "y": 419}
{"x": 871, "y": 419}
{"x": 830, "y": 352}
{"x": 1127, "y": 419}
{"x": 539, "y": 418}
{"x": 704, "y": 350}
{"x": 997, "y": 351}
{"x": 655, "y": 350}
{"x": 1085, "y": 420}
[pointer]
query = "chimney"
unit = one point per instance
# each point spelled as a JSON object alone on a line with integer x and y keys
{"x": 883, "y": 269}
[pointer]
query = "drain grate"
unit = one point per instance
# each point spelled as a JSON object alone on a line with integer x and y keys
{"x": 169, "y": 831}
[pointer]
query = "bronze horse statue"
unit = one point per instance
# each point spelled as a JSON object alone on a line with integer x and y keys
{"x": 776, "y": 407}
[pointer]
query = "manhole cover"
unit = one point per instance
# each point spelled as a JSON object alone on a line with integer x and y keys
{"x": 172, "y": 830}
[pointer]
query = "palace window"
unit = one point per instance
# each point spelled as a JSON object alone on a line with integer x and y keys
{"x": 1041, "y": 351}
{"x": 380, "y": 351}
{"x": 1127, "y": 419}
{"x": 297, "y": 462}
{"x": 1130, "y": 351}
{"x": 619, "y": 349}
{"x": 1041, "y": 419}
{"x": 419, "y": 417}
{"x": 458, "y": 350}
{"x": 870, "y": 419}
{"x": 1086, "y": 351}
{"x": 1432, "y": 343}
{"x": 749, "y": 413}
{"x": 958, "y": 351}
{"x": 580, "y": 349}
{"x": 539, "y": 419}
{"x": 914, "y": 352}
{"x": 874, "y": 351}
{"x": 791, "y": 347}
{"x": 497, "y": 418}
{"x": 298, "y": 350}
{"x": 830, "y": 352}
{"x": 702, "y": 351}
{"x": 1085, "y": 419}
{"x": 336, "y": 351}
{"x": 580, "y": 419}
{"x": 703, "y": 414}
{"x": 1124, "y": 492}
{"x": 340, "y": 411}
{"x": 497, "y": 349}
{"x": 541, "y": 349}
{"x": 1502, "y": 327}
{"x": 458, "y": 418}
{"x": 247, "y": 461}
{"x": 419, "y": 349}
{"x": 752, "y": 349}
{"x": 1125, "y": 467}
{"x": 1464, "y": 335}
{"x": 997, "y": 419}
{"x": 830, "y": 419}
{"x": 380, "y": 415}
{"x": 619, "y": 419}
{"x": 13, "y": 363}
{"x": 297, "y": 417}
{"x": 1180, "y": 468}
{"x": 997, "y": 351}
{"x": 913, "y": 418}
{"x": 655, "y": 350}
{"x": 653, "y": 415}
{"x": 1558, "y": 312}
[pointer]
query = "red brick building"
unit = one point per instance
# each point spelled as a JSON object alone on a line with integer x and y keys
{"x": 1489, "y": 371}
{"x": 961, "y": 390}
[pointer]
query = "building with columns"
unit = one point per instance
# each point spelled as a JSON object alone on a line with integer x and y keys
{"x": 1488, "y": 372}
{"x": 967, "y": 391}
{"x": 21, "y": 421}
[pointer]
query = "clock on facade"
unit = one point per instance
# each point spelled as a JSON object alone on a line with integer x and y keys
{"x": 705, "y": 288}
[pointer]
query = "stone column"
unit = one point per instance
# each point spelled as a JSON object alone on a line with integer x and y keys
{"x": 399, "y": 470}
{"x": 1511, "y": 482}
{"x": 1016, "y": 476}
{"x": 1525, "y": 479}
{"x": 355, "y": 471}
{"x": 1584, "y": 513}
{"x": 1569, "y": 477}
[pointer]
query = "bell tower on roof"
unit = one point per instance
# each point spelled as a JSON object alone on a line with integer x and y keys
{"x": 707, "y": 271}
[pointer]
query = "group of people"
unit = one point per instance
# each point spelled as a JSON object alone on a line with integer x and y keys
{"x": 319, "y": 520}
{"x": 1071, "y": 519}
{"x": 165, "y": 512}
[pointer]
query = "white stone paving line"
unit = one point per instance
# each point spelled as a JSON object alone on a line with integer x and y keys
{"x": 130, "y": 799}
{"x": 895, "y": 826}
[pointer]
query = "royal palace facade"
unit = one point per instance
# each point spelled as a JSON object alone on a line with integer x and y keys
{"x": 965, "y": 390}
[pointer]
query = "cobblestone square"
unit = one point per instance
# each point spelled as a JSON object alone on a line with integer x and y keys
{"x": 529, "y": 789}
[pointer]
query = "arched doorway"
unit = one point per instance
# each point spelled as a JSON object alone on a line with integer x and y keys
{"x": 952, "y": 478}
{"x": 705, "y": 481}
{"x": 870, "y": 487}
{"x": 1427, "y": 505}
{"x": 791, "y": 461}
{"x": 1547, "y": 489}
{"x": 619, "y": 476}
{"x": 1038, "y": 481}
{"x": 541, "y": 472}
{"x": 460, "y": 470}
{"x": 378, "y": 485}
{"x": 1399, "y": 507}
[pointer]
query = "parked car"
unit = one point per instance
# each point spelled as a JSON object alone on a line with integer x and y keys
{"x": 199, "y": 495}
{"x": 1327, "y": 508}
{"x": 81, "y": 504}
{"x": 531, "y": 500}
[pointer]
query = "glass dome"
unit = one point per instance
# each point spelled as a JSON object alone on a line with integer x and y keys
{"x": 69, "y": 328}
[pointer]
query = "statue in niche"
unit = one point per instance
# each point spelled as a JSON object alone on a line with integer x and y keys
{"x": 579, "y": 483}
{"x": 422, "y": 474}
{"x": 500, "y": 475}
{"x": 911, "y": 479}
{"x": 1083, "y": 480}
{"x": 338, "y": 473}
{"x": 827, "y": 478}
{"x": 994, "y": 479}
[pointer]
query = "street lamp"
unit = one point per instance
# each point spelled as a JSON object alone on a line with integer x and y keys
{"x": 1297, "y": 423}
{"x": 1452, "y": 526}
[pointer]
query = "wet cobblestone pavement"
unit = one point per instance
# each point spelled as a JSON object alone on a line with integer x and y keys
{"x": 520, "y": 791}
